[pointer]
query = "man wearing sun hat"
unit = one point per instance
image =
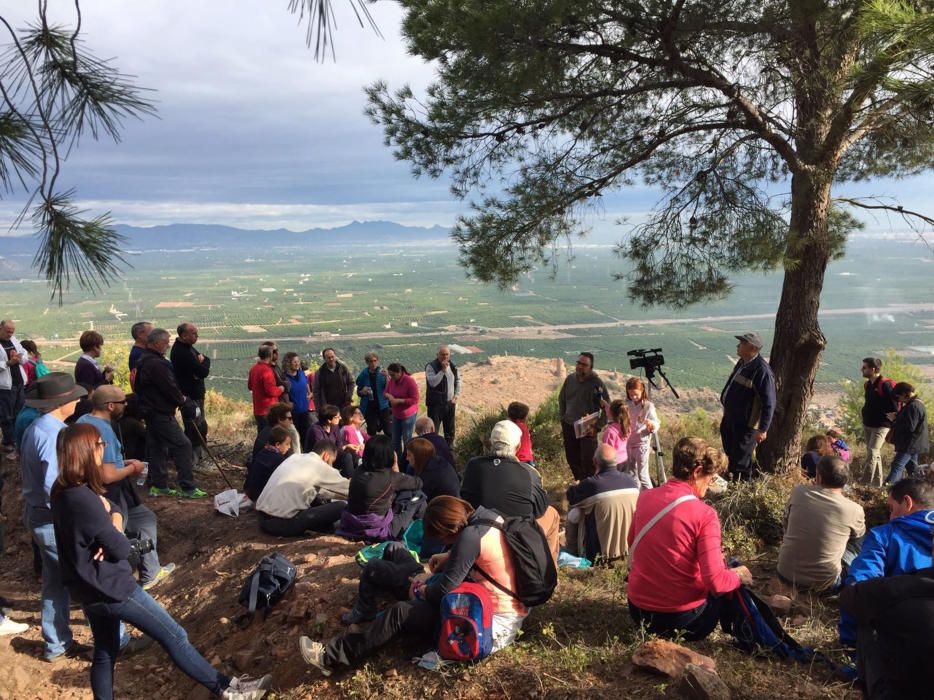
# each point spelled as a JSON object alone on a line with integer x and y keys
{"x": 748, "y": 405}
{"x": 55, "y": 396}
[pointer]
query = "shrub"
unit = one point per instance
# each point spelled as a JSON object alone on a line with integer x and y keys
{"x": 475, "y": 440}
{"x": 230, "y": 418}
{"x": 751, "y": 512}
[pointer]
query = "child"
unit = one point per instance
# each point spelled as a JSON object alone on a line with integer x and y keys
{"x": 616, "y": 433}
{"x": 274, "y": 452}
{"x": 817, "y": 446}
{"x": 518, "y": 413}
{"x": 643, "y": 420}
{"x": 838, "y": 444}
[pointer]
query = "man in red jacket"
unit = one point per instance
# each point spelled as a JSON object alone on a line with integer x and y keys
{"x": 262, "y": 384}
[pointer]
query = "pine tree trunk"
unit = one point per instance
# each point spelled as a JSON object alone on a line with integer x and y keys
{"x": 798, "y": 341}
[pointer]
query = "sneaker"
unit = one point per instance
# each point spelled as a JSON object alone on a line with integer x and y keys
{"x": 244, "y": 688}
{"x": 8, "y": 627}
{"x": 163, "y": 574}
{"x": 356, "y": 616}
{"x": 135, "y": 646}
{"x": 155, "y": 491}
{"x": 75, "y": 651}
{"x": 313, "y": 653}
{"x": 194, "y": 493}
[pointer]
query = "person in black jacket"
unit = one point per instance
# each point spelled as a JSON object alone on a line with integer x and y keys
{"x": 278, "y": 446}
{"x": 442, "y": 389}
{"x": 748, "y": 400}
{"x": 437, "y": 474}
{"x": 190, "y": 368}
{"x": 93, "y": 555}
{"x": 895, "y": 642}
{"x": 159, "y": 398}
{"x": 909, "y": 432}
{"x": 879, "y": 403}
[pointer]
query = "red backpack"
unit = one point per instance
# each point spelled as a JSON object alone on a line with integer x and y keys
{"x": 882, "y": 381}
{"x": 466, "y": 623}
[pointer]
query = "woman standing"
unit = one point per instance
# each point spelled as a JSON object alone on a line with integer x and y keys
{"x": 371, "y": 387}
{"x": 93, "y": 555}
{"x": 402, "y": 394}
{"x": 34, "y": 365}
{"x": 300, "y": 394}
{"x": 909, "y": 432}
{"x": 643, "y": 421}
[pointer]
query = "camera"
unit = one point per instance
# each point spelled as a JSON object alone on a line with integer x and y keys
{"x": 649, "y": 360}
{"x": 138, "y": 547}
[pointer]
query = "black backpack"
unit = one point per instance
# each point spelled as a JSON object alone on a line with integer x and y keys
{"x": 536, "y": 574}
{"x": 271, "y": 580}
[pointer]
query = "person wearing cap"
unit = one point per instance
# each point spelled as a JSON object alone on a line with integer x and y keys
{"x": 109, "y": 403}
{"x": 512, "y": 488}
{"x": 55, "y": 396}
{"x": 748, "y": 400}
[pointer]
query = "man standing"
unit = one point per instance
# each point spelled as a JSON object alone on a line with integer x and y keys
{"x": 56, "y": 396}
{"x": 159, "y": 398}
{"x": 262, "y": 385}
{"x": 139, "y": 332}
{"x": 443, "y": 386}
{"x": 880, "y": 401}
{"x": 333, "y": 383}
{"x": 190, "y": 368}
{"x": 582, "y": 394}
{"x": 12, "y": 382}
{"x": 748, "y": 405}
{"x": 279, "y": 373}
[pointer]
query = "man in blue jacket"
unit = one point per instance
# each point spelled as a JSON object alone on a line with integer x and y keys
{"x": 748, "y": 405}
{"x": 900, "y": 546}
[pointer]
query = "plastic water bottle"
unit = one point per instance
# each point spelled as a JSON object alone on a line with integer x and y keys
{"x": 141, "y": 480}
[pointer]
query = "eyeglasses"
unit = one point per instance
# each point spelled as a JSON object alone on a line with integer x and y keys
{"x": 118, "y": 402}
{"x": 101, "y": 443}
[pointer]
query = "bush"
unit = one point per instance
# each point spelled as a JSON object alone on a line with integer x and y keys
{"x": 476, "y": 440}
{"x": 230, "y": 418}
{"x": 752, "y": 512}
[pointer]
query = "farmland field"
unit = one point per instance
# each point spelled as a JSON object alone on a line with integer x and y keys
{"x": 403, "y": 299}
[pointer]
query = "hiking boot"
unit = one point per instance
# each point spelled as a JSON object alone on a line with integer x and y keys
{"x": 135, "y": 646}
{"x": 245, "y": 688}
{"x": 77, "y": 650}
{"x": 313, "y": 653}
{"x": 356, "y": 616}
{"x": 163, "y": 574}
{"x": 8, "y": 627}
{"x": 155, "y": 491}
{"x": 193, "y": 493}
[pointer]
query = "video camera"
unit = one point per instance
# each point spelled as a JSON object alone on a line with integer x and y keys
{"x": 651, "y": 361}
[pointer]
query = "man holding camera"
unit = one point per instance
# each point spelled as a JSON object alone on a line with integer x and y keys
{"x": 748, "y": 405}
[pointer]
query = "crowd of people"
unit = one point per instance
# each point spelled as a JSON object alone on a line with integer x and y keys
{"x": 350, "y": 455}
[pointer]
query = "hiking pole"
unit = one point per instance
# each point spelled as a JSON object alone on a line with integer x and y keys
{"x": 204, "y": 444}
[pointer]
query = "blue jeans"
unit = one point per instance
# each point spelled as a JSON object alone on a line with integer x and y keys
{"x": 146, "y": 614}
{"x": 55, "y": 599}
{"x": 901, "y": 461}
{"x": 402, "y": 429}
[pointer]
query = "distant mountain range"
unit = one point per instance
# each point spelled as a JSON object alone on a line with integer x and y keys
{"x": 175, "y": 236}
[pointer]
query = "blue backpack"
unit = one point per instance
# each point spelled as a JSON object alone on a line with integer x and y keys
{"x": 756, "y": 629}
{"x": 466, "y": 623}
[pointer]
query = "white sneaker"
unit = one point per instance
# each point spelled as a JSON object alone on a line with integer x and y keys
{"x": 8, "y": 627}
{"x": 313, "y": 653}
{"x": 244, "y": 688}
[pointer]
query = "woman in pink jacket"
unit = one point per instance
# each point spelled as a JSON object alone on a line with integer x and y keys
{"x": 677, "y": 576}
{"x": 402, "y": 394}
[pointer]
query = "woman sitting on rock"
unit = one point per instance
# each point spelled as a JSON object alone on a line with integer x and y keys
{"x": 677, "y": 576}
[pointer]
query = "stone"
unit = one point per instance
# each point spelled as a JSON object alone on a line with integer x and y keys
{"x": 224, "y": 621}
{"x": 669, "y": 658}
{"x": 799, "y": 620}
{"x": 699, "y": 683}
{"x": 780, "y": 604}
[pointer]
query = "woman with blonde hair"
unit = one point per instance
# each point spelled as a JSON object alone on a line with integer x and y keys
{"x": 677, "y": 575}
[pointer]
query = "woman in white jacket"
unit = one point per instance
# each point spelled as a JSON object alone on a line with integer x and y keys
{"x": 643, "y": 421}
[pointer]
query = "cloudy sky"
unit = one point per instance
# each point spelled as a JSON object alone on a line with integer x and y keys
{"x": 252, "y": 131}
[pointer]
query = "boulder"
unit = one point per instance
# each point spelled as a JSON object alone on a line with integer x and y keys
{"x": 780, "y": 604}
{"x": 700, "y": 683}
{"x": 669, "y": 658}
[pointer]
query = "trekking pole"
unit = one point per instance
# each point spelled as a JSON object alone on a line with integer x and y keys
{"x": 204, "y": 443}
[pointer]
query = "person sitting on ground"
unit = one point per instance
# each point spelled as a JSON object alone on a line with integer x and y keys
{"x": 616, "y": 434}
{"x": 425, "y": 428}
{"x": 895, "y": 639}
{"x": 601, "y": 509}
{"x": 437, "y": 475}
{"x": 817, "y": 446}
{"x": 518, "y": 413}
{"x": 900, "y": 546}
{"x": 328, "y": 428}
{"x": 93, "y": 555}
{"x": 33, "y": 365}
{"x": 353, "y": 432}
{"x": 277, "y": 448}
{"x": 677, "y": 576}
{"x": 823, "y": 530}
{"x": 304, "y": 493}
{"x": 87, "y": 370}
{"x": 643, "y": 421}
{"x": 512, "y": 488}
{"x": 910, "y": 434}
{"x": 418, "y": 612}
{"x": 373, "y": 488}
{"x": 279, "y": 414}
{"x": 838, "y": 444}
